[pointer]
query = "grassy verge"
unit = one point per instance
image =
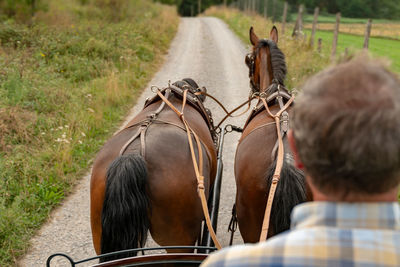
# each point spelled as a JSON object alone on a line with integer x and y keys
{"x": 302, "y": 60}
{"x": 65, "y": 84}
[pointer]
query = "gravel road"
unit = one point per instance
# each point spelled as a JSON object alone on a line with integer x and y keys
{"x": 205, "y": 50}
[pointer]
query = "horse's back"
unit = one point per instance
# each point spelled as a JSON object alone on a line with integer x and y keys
{"x": 175, "y": 213}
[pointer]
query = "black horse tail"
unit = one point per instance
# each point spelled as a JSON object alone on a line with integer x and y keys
{"x": 290, "y": 191}
{"x": 124, "y": 219}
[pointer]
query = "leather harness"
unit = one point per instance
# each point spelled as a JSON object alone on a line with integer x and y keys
{"x": 188, "y": 96}
{"x": 191, "y": 98}
{"x": 281, "y": 120}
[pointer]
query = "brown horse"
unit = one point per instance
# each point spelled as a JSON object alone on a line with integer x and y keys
{"x": 255, "y": 159}
{"x": 143, "y": 178}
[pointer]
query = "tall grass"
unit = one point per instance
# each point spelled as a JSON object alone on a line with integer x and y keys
{"x": 65, "y": 84}
{"x": 301, "y": 60}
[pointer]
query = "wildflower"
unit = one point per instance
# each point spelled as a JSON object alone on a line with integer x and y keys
{"x": 60, "y": 127}
{"x": 90, "y": 110}
{"x": 80, "y": 142}
{"x": 83, "y": 134}
{"x": 43, "y": 55}
{"x": 42, "y": 133}
{"x": 63, "y": 135}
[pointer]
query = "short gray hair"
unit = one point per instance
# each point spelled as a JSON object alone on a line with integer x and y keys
{"x": 346, "y": 124}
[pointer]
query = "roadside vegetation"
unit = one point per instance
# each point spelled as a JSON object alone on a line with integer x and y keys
{"x": 68, "y": 75}
{"x": 303, "y": 60}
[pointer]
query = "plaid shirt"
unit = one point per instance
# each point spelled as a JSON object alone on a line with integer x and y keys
{"x": 326, "y": 234}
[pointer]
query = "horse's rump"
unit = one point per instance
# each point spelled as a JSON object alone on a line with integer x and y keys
{"x": 175, "y": 212}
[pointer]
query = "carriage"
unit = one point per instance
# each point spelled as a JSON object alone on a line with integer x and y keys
{"x": 175, "y": 136}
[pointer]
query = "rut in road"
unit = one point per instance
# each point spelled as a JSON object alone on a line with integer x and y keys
{"x": 205, "y": 50}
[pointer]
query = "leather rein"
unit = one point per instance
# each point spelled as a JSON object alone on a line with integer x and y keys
{"x": 281, "y": 116}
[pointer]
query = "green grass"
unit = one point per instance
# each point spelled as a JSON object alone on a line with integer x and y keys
{"x": 331, "y": 18}
{"x": 302, "y": 61}
{"x": 377, "y": 46}
{"x": 66, "y": 82}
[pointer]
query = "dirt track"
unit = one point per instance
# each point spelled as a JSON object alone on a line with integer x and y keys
{"x": 205, "y": 50}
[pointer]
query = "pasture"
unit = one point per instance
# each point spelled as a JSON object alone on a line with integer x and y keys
{"x": 65, "y": 84}
{"x": 380, "y": 47}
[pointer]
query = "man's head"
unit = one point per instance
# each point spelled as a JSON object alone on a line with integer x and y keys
{"x": 346, "y": 129}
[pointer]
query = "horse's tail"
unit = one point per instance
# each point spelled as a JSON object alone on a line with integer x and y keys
{"x": 124, "y": 219}
{"x": 290, "y": 191}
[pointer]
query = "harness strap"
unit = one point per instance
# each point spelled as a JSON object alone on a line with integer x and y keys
{"x": 228, "y": 113}
{"x": 278, "y": 168}
{"x": 136, "y": 135}
{"x": 143, "y": 128}
{"x": 198, "y": 168}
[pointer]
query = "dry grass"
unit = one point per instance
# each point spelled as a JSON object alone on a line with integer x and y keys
{"x": 15, "y": 124}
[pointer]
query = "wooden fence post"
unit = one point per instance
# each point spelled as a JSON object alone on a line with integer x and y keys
{"x": 199, "y": 7}
{"x": 314, "y": 26}
{"x": 257, "y": 6}
{"x": 335, "y": 37}
{"x": 284, "y": 17}
{"x": 367, "y": 33}
{"x": 298, "y": 27}
{"x": 265, "y": 8}
{"x": 319, "y": 45}
{"x": 273, "y": 10}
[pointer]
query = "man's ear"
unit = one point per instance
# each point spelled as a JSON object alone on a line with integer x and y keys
{"x": 293, "y": 147}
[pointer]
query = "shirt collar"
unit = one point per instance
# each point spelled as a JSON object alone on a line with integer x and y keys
{"x": 384, "y": 215}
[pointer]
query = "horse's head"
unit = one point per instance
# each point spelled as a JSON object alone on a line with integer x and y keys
{"x": 266, "y": 63}
{"x": 192, "y": 86}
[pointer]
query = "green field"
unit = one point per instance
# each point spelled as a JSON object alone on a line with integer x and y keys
{"x": 66, "y": 82}
{"x": 329, "y": 18}
{"x": 379, "y": 47}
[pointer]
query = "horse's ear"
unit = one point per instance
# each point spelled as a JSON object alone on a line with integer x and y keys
{"x": 273, "y": 35}
{"x": 253, "y": 37}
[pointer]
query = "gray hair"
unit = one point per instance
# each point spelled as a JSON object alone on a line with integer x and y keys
{"x": 346, "y": 127}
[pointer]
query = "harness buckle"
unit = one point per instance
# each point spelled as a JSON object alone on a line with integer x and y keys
{"x": 284, "y": 121}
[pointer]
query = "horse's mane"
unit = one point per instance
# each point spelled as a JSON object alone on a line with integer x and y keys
{"x": 278, "y": 62}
